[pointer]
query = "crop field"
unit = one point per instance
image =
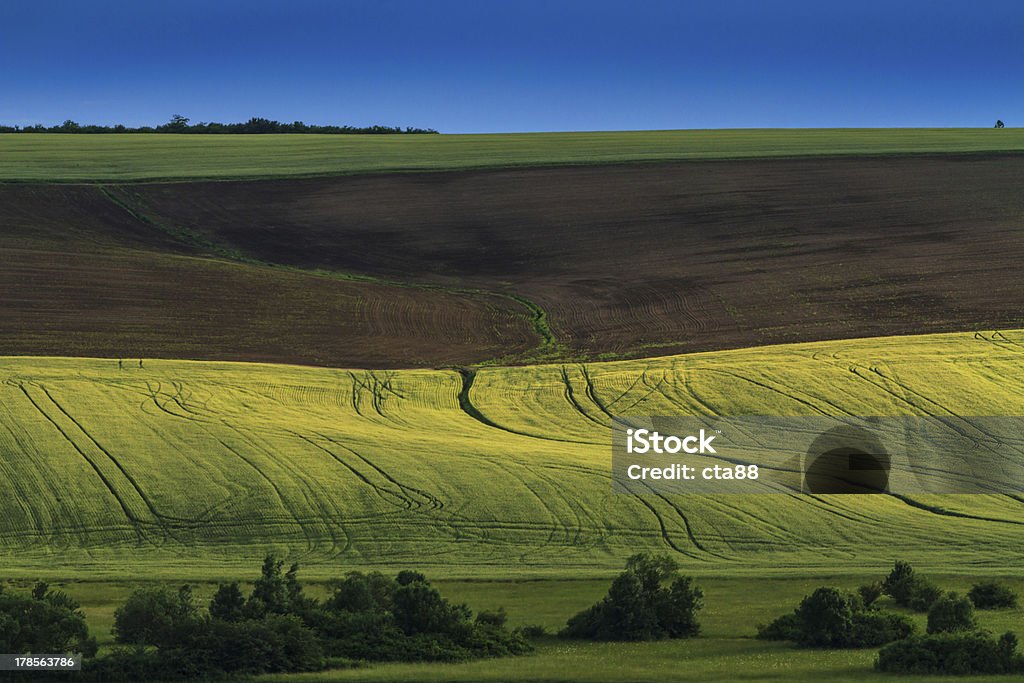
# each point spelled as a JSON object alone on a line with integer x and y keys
{"x": 55, "y": 157}
{"x": 200, "y": 467}
{"x": 513, "y": 266}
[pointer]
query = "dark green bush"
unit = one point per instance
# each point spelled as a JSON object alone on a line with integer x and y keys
{"x": 279, "y": 629}
{"x": 873, "y": 628}
{"x": 787, "y": 627}
{"x": 955, "y": 654}
{"x": 156, "y": 616}
{"x": 908, "y": 589}
{"x": 870, "y": 593}
{"x": 275, "y": 644}
{"x": 215, "y": 648}
{"x": 830, "y": 617}
{"x": 640, "y": 606}
{"x": 992, "y": 595}
{"x": 534, "y": 631}
{"x": 374, "y": 617}
{"x": 45, "y": 622}
{"x": 951, "y": 613}
{"x": 228, "y": 603}
{"x": 496, "y": 619}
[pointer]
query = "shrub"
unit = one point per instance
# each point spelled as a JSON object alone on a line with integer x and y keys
{"x": 278, "y": 629}
{"x": 956, "y": 654}
{"x": 374, "y": 617}
{"x": 496, "y": 619}
{"x": 826, "y": 618}
{"x": 275, "y": 644}
{"x": 992, "y": 595}
{"x": 45, "y": 622}
{"x": 534, "y": 631}
{"x": 870, "y": 593}
{"x": 786, "y": 627}
{"x": 874, "y": 628}
{"x": 228, "y": 603}
{"x": 639, "y": 606}
{"x": 951, "y": 613}
{"x": 830, "y": 617}
{"x": 155, "y": 616}
{"x": 908, "y": 589}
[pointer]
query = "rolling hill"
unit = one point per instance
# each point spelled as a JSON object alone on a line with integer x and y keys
{"x": 513, "y": 266}
{"x": 193, "y": 467}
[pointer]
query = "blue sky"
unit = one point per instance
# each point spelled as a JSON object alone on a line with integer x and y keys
{"x": 483, "y": 66}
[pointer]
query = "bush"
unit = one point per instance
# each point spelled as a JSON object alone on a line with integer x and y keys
{"x": 228, "y": 603}
{"x": 45, "y": 622}
{"x": 874, "y": 628}
{"x": 275, "y": 644}
{"x": 908, "y": 589}
{"x": 496, "y": 619}
{"x": 374, "y": 617}
{"x": 870, "y": 593}
{"x": 639, "y": 606}
{"x": 951, "y": 613}
{"x": 830, "y": 617}
{"x": 956, "y": 654}
{"x": 278, "y": 629}
{"x": 534, "y": 631}
{"x": 156, "y": 616}
{"x": 992, "y": 595}
{"x": 787, "y": 627}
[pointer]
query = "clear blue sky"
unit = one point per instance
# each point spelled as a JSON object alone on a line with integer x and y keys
{"x": 484, "y": 65}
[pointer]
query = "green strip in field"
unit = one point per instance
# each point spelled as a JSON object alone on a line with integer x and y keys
{"x": 78, "y": 158}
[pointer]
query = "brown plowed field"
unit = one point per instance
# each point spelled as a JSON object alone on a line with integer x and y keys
{"x": 80, "y": 276}
{"x": 660, "y": 258}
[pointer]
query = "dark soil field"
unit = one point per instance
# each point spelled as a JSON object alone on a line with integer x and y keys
{"x": 80, "y": 276}
{"x": 625, "y": 260}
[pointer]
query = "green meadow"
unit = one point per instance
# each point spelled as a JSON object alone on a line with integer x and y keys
{"x": 78, "y": 158}
{"x": 725, "y": 650}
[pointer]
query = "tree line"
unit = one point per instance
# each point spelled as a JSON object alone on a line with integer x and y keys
{"x": 255, "y": 125}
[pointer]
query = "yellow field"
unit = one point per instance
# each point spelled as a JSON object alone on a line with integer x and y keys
{"x": 186, "y": 467}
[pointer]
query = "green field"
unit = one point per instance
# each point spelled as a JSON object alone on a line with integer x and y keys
{"x": 196, "y": 469}
{"x": 726, "y": 649}
{"x": 56, "y": 157}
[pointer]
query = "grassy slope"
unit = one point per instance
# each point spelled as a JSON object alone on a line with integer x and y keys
{"x": 135, "y": 157}
{"x": 197, "y": 467}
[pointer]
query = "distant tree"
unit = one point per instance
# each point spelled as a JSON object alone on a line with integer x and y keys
{"x": 1000, "y": 124}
